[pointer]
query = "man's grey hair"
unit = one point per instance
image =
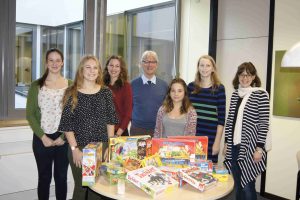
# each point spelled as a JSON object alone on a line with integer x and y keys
{"x": 148, "y": 53}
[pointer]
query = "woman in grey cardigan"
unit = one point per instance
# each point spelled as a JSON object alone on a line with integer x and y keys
{"x": 246, "y": 131}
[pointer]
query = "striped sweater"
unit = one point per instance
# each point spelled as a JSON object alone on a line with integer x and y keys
{"x": 210, "y": 108}
{"x": 255, "y": 126}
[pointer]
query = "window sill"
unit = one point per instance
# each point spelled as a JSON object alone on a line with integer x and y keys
{"x": 12, "y": 123}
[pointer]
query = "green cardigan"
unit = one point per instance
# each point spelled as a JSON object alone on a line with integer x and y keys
{"x": 33, "y": 112}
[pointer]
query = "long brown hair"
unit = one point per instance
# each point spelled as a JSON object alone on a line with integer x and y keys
{"x": 250, "y": 69}
{"x": 168, "y": 102}
{"x": 41, "y": 81}
{"x": 78, "y": 82}
{"x": 123, "y": 77}
{"x": 214, "y": 77}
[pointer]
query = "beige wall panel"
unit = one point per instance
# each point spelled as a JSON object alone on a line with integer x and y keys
{"x": 243, "y": 19}
{"x": 282, "y": 165}
{"x": 194, "y": 35}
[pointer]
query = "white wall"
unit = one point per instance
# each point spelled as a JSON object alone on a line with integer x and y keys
{"x": 242, "y": 37}
{"x": 194, "y": 36}
{"x": 282, "y": 165}
{"x": 18, "y": 171}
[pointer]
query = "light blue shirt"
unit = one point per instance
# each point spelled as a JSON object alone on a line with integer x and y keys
{"x": 145, "y": 79}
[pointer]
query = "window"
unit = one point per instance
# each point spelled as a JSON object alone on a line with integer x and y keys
{"x": 28, "y": 29}
{"x": 40, "y": 33}
{"x": 139, "y": 27}
{"x": 23, "y": 62}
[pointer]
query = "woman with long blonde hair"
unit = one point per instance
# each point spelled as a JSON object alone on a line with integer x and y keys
{"x": 207, "y": 95}
{"x": 88, "y": 116}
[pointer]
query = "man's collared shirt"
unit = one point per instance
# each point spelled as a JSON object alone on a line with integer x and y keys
{"x": 145, "y": 79}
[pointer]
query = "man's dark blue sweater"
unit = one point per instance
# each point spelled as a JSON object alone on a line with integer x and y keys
{"x": 146, "y": 101}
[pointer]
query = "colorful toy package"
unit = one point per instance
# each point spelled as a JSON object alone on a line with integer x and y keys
{"x": 220, "y": 173}
{"x": 201, "y": 145}
{"x": 174, "y": 152}
{"x": 121, "y": 148}
{"x": 114, "y": 172}
{"x": 205, "y": 165}
{"x": 91, "y": 161}
{"x": 174, "y": 173}
{"x": 198, "y": 179}
{"x": 153, "y": 160}
{"x": 152, "y": 180}
{"x": 131, "y": 164}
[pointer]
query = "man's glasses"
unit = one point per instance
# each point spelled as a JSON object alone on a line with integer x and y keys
{"x": 149, "y": 62}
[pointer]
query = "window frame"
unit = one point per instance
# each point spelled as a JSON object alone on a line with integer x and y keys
{"x": 93, "y": 10}
{"x": 93, "y": 28}
{"x": 129, "y": 15}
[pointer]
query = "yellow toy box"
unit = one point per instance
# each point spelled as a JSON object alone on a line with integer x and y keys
{"x": 122, "y": 148}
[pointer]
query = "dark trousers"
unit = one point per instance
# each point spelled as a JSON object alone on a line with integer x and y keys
{"x": 248, "y": 192}
{"x": 140, "y": 131}
{"x": 45, "y": 157}
{"x": 82, "y": 192}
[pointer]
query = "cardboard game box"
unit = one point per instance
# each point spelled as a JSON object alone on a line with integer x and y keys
{"x": 198, "y": 179}
{"x": 91, "y": 161}
{"x": 201, "y": 145}
{"x": 174, "y": 173}
{"x": 121, "y": 148}
{"x": 174, "y": 152}
{"x": 153, "y": 160}
{"x": 152, "y": 180}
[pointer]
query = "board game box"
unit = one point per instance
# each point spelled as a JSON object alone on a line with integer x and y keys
{"x": 121, "y": 148}
{"x": 201, "y": 145}
{"x": 174, "y": 152}
{"x": 152, "y": 180}
{"x": 198, "y": 179}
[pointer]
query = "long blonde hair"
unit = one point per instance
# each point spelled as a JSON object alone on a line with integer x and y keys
{"x": 78, "y": 82}
{"x": 214, "y": 77}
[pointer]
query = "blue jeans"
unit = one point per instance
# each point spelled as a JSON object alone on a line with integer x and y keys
{"x": 45, "y": 157}
{"x": 248, "y": 192}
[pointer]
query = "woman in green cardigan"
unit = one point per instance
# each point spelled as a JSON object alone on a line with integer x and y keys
{"x": 43, "y": 112}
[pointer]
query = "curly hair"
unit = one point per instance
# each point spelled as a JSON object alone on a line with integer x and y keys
{"x": 123, "y": 77}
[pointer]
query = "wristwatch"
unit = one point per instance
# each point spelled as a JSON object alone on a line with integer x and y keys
{"x": 73, "y": 148}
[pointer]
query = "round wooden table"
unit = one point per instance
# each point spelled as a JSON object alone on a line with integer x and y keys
{"x": 185, "y": 192}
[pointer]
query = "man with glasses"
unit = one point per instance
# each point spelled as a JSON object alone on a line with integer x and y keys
{"x": 148, "y": 94}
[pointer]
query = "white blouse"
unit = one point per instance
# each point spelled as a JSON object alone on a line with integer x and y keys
{"x": 50, "y": 103}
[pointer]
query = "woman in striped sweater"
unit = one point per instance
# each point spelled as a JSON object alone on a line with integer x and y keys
{"x": 207, "y": 95}
{"x": 246, "y": 131}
